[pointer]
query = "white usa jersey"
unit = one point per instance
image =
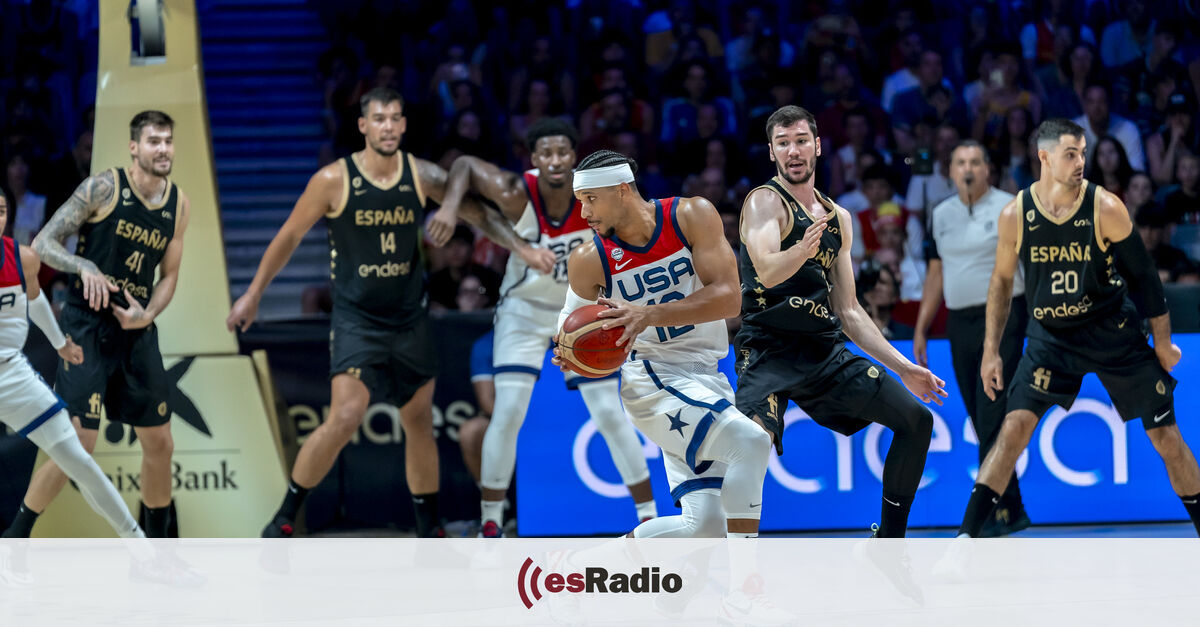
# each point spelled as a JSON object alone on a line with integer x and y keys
{"x": 659, "y": 272}
{"x": 14, "y": 308}
{"x": 560, "y": 237}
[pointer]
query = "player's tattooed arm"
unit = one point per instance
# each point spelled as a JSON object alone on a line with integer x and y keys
{"x": 93, "y": 194}
{"x": 472, "y": 174}
{"x": 495, "y": 226}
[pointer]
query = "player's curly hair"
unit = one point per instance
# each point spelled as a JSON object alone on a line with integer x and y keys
{"x": 550, "y": 127}
{"x": 604, "y": 159}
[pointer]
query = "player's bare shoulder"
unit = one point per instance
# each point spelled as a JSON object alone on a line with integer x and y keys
{"x": 696, "y": 216}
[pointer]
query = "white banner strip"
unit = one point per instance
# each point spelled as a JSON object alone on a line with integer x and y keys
{"x": 618, "y": 582}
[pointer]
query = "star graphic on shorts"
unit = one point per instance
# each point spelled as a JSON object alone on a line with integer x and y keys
{"x": 762, "y": 302}
{"x": 677, "y": 423}
{"x": 758, "y": 290}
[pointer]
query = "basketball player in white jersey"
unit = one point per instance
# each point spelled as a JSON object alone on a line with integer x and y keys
{"x": 543, "y": 210}
{"x": 27, "y": 404}
{"x": 670, "y": 278}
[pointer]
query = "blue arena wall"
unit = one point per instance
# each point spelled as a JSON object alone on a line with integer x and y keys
{"x": 1082, "y": 465}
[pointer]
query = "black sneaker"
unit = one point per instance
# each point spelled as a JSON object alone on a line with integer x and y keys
{"x": 279, "y": 527}
{"x": 1005, "y": 521}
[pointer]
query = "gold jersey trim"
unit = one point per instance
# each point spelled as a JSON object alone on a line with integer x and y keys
{"x": 1070, "y": 214}
{"x": 149, "y": 205}
{"x": 412, "y": 167}
{"x": 107, "y": 209}
{"x": 345, "y": 196}
{"x": 383, "y": 185}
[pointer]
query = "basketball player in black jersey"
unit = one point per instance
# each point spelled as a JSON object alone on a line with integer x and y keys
{"x": 1089, "y": 285}
{"x": 380, "y": 343}
{"x": 798, "y": 295}
{"x": 130, "y": 221}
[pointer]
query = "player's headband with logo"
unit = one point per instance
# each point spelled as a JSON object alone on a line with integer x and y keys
{"x": 602, "y": 177}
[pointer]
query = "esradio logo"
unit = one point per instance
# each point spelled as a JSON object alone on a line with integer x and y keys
{"x": 531, "y": 581}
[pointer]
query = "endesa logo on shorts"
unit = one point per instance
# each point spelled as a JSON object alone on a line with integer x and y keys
{"x": 531, "y": 581}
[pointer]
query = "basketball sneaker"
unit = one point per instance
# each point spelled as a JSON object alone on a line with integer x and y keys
{"x": 750, "y": 605}
{"x": 490, "y": 530}
{"x": 890, "y": 557}
{"x": 279, "y": 527}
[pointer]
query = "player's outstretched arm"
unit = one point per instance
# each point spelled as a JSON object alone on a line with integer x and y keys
{"x": 715, "y": 266}
{"x": 764, "y": 217}
{"x": 862, "y": 330}
{"x": 322, "y": 195}
{"x": 96, "y": 192}
{"x": 1140, "y": 272}
{"x": 999, "y": 299}
{"x": 40, "y": 312}
{"x": 495, "y": 226}
{"x": 472, "y": 174}
{"x": 134, "y": 316}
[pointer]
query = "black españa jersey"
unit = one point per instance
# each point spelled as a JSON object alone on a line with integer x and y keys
{"x": 1070, "y": 278}
{"x": 374, "y": 246}
{"x": 800, "y": 304}
{"x": 127, "y": 239}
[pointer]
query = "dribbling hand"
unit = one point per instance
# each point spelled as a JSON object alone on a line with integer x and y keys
{"x": 634, "y": 318}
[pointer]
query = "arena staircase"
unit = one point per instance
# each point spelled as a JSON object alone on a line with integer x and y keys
{"x": 264, "y": 103}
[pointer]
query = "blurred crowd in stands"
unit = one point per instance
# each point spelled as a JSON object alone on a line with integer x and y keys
{"x": 685, "y": 88}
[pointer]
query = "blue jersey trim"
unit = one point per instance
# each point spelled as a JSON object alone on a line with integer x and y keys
{"x": 658, "y": 222}
{"x": 604, "y": 263}
{"x": 537, "y": 372}
{"x": 691, "y": 485}
{"x": 42, "y": 418}
{"x": 675, "y": 225}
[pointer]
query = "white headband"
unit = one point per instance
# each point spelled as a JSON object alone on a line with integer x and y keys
{"x": 602, "y": 177}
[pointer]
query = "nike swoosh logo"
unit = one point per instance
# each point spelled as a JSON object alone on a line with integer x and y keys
{"x": 359, "y": 192}
{"x": 1035, "y": 227}
{"x": 885, "y": 500}
{"x": 995, "y": 500}
{"x": 1191, "y": 502}
{"x": 1122, "y": 325}
{"x": 126, "y": 203}
{"x": 753, "y": 505}
{"x": 1159, "y": 418}
{"x": 622, "y": 265}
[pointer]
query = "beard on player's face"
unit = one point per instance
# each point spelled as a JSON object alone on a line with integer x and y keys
{"x": 158, "y": 165}
{"x": 803, "y": 177}
{"x": 378, "y": 146}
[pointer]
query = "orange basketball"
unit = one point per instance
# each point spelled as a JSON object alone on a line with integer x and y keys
{"x": 587, "y": 347}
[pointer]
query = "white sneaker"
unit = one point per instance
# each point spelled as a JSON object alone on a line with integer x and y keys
{"x": 954, "y": 564}
{"x": 750, "y": 605}
{"x": 890, "y": 557}
{"x": 14, "y": 571}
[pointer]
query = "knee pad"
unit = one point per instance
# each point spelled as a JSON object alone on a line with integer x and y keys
{"x": 737, "y": 439}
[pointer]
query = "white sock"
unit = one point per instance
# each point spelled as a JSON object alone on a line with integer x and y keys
{"x": 647, "y": 509}
{"x": 743, "y": 562}
{"x": 493, "y": 511}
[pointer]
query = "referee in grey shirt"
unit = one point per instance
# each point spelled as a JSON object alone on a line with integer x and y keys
{"x": 962, "y": 256}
